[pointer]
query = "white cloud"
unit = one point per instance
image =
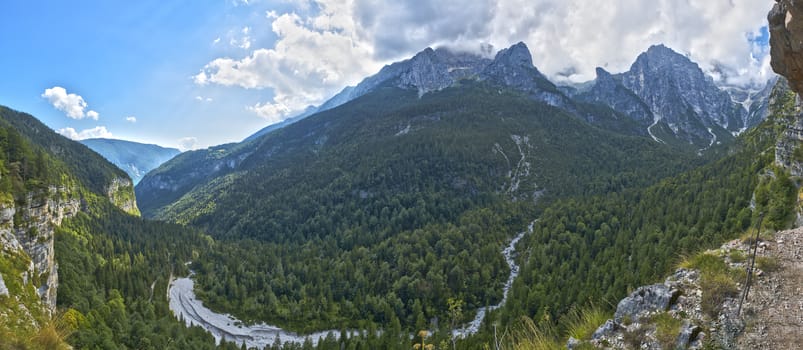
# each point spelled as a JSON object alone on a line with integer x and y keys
{"x": 243, "y": 41}
{"x": 131, "y": 119}
{"x": 217, "y": 40}
{"x": 271, "y": 112}
{"x": 312, "y": 59}
{"x": 324, "y": 45}
{"x": 187, "y": 143}
{"x": 203, "y": 99}
{"x": 72, "y": 105}
{"x": 97, "y": 132}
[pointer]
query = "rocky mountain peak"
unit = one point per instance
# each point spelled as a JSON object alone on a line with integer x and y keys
{"x": 660, "y": 57}
{"x": 516, "y": 55}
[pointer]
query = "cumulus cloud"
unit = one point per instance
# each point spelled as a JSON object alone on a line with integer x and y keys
{"x": 97, "y": 132}
{"x": 271, "y": 112}
{"x": 72, "y": 105}
{"x": 324, "y": 45}
{"x": 131, "y": 119}
{"x": 187, "y": 143}
{"x": 312, "y": 59}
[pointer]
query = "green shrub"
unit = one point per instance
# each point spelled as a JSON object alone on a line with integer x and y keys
{"x": 581, "y": 324}
{"x": 766, "y": 263}
{"x": 667, "y": 329}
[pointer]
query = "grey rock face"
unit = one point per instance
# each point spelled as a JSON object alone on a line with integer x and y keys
{"x": 609, "y": 90}
{"x": 786, "y": 41}
{"x": 119, "y": 192}
{"x": 35, "y": 235}
{"x": 677, "y": 90}
{"x": 664, "y": 86}
{"x": 688, "y": 334}
{"x": 787, "y": 145}
{"x": 605, "y": 330}
{"x": 429, "y": 70}
{"x": 513, "y": 68}
{"x": 657, "y": 297}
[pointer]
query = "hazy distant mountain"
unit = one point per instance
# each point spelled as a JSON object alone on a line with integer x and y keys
{"x": 136, "y": 159}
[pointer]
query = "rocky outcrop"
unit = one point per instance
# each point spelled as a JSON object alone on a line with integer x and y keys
{"x": 770, "y": 317}
{"x": 30, "y": 228}
{"x": 788, "y": 149}
{"x": 645, "y": 300}
{"x": 634, "y": 323}
{"x": 786, "y": 41}
{"x": 121, "y": 192}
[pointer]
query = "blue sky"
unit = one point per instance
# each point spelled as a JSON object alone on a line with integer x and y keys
{"x": 200, "y": 73}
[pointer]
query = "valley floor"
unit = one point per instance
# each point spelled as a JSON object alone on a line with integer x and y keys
{"x": 775, "y": 304}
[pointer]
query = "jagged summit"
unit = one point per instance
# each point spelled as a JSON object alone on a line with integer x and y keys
{"x": 518, "y": 54}
{"x": 682, "y": 102}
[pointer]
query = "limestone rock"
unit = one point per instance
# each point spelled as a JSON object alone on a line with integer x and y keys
{"x": 3, "y": 288}
{"x": 647, "y": 299}
{"x": 605, "y": 330}
{"x": 34, "y": 235}
{"x": 786, "y": 41}
{"x": 688, "y": 333}
{"x": 121, "y": 192}
{"x": 573, "y": 343}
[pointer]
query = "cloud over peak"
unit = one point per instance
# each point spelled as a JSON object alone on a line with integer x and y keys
{"x": 324, "y": 45}
{"x": 72, "y": 105}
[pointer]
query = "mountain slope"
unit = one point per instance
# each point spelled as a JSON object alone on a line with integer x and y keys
{"x": 75, "y": 269}
{"x": 377, "y": 176}
{"x": 427, "y": 72}
{"x": 136, "y": 159}
{"x": 598, "y": 249}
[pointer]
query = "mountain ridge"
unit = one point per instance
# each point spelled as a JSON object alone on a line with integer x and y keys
{"x": 679, "y": 95}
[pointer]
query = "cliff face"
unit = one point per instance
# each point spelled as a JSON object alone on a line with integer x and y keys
{"x": 30, "y": 228}
{"x": 121, "y": 192}
{"x": 786, "y": 41}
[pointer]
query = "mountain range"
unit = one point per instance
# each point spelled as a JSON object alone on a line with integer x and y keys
{"x": 425, "y": 146}
{"x": 664, "y": 92}
{"x": 664, "y": 96}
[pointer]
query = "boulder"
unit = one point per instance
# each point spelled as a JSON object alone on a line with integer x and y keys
{"x": 647, "y": 299}
{"x": 605, "y": 330}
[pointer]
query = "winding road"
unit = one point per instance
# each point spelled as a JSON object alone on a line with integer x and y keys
{"x": 188, "y": 308}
